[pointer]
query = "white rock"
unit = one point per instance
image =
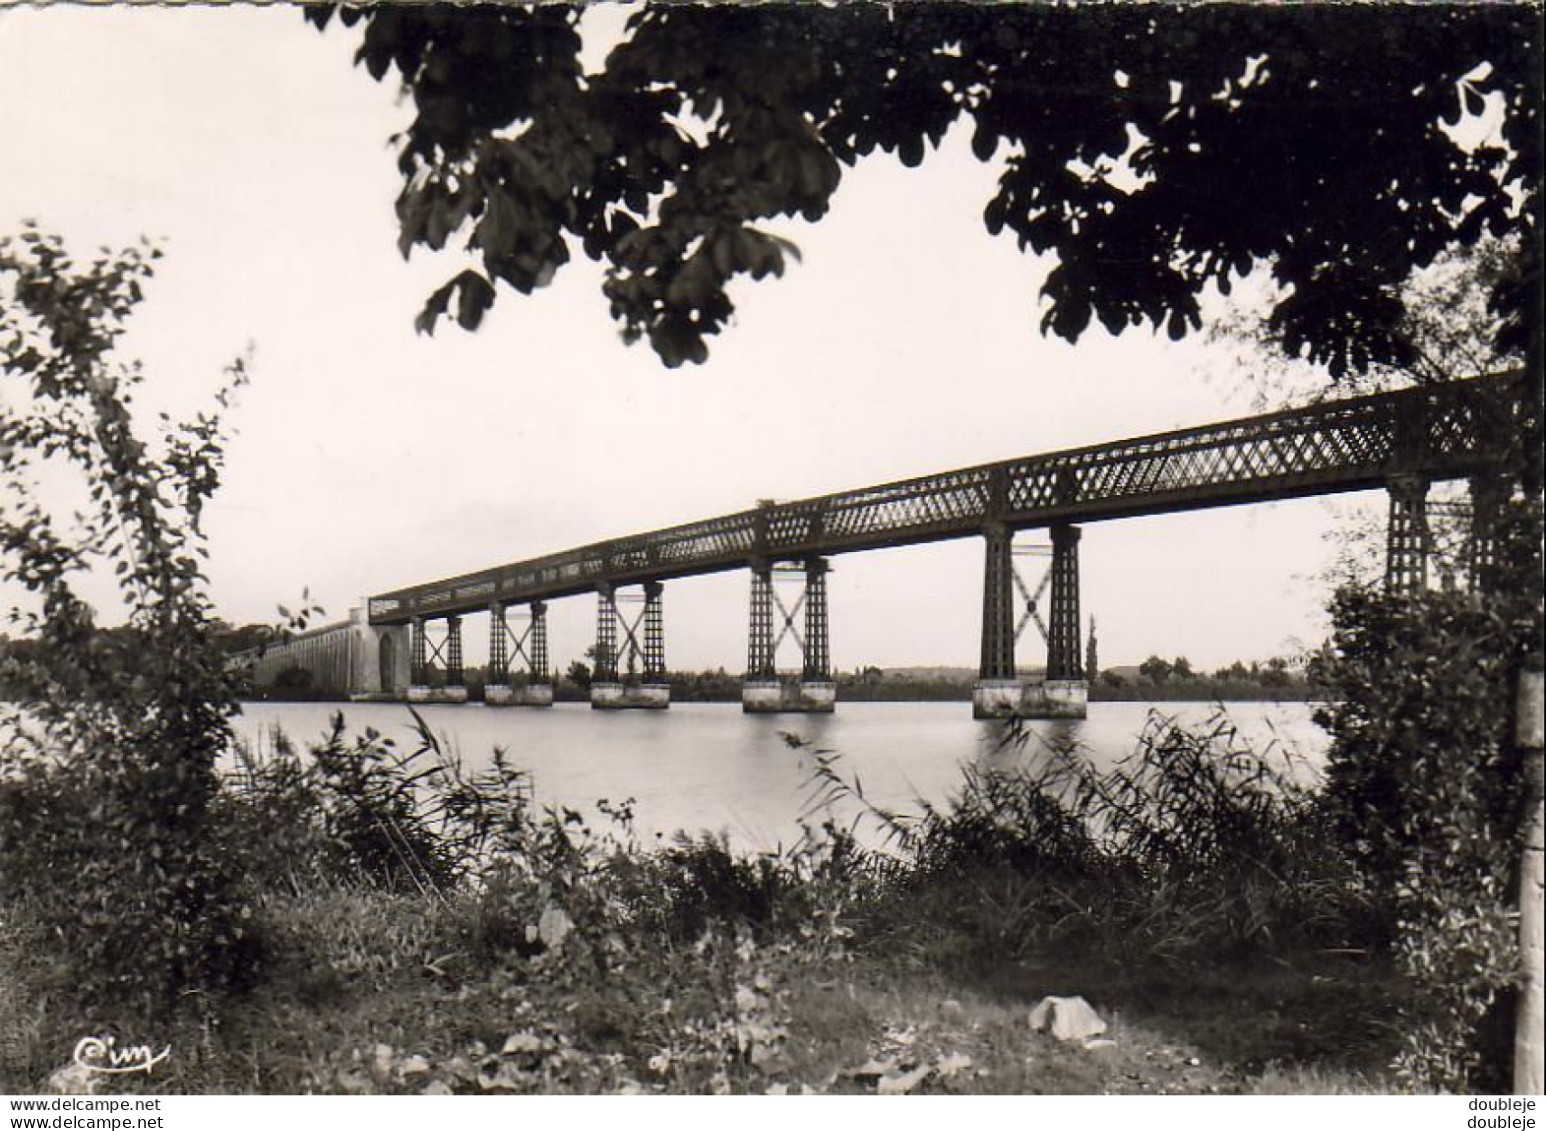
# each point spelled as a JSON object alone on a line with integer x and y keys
{"x": 1067, "y": 1018}
{"x": 523, "y": 1042}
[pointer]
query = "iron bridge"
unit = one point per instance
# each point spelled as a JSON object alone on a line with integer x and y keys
{"x": 1437, "y": 432}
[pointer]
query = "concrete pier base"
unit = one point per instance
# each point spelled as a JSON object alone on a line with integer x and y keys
{"x": 1058, "y": 699}
{"x": 527, "y": 695}
{"x": 997, "y": 698}
{"x": 421, "y": 694}
{"x": 774, "y": 697}
{"x": 626, "y": 696}
{"x": 1017, "y": 698}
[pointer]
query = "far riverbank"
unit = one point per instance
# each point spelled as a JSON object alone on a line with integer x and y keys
{"x": 719, "y": 687}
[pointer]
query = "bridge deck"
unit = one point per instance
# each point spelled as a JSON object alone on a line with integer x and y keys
{"x": 1443, "y": 432}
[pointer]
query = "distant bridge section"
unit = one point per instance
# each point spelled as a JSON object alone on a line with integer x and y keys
{"x": 1439, "y": 432}
{"x": 409, "y": 643}
{"x": 351, "y": 659}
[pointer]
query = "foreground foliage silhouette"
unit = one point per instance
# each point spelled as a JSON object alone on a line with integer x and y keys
{"x": 1153, "y": 153}
{"x": 107, "y": 755}
{"x": 1426, "y": 791}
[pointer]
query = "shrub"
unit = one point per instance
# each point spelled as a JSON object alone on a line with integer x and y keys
{"x": 109, "y": 754}
{"x": 360, "y": 811}
{"x": 1424, "y": 787}
{"x": 697, "y": 882}
{"x": 1196, "y": 847}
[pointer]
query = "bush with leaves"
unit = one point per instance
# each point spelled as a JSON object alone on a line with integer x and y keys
{"x": 107, "y": 766}
{"x": 1195, "y": 847}
{"x": 698, "y": 881}
{"x": 362, "y": 811}
{"x": 1425, "y": 788}
{"x": 1230, "y": 843}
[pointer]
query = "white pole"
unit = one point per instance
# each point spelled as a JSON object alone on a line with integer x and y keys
{"x": 1530, "y": 1025}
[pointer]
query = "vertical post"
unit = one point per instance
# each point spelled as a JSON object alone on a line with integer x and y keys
{"x": 1406, "y": 547}
{"x": 759, "y": 641}
{"x": 418, "y": 662}
{"x": 539, "y": 642}
{"x": 1489, "y": 494}
{"x": 1530, "y": 1024}
{"x": 654, "y": 634}
{"x": 498, "y": 645}
{"x": 818, "y": 660}
{"x": 1063, "y": 661}
{"x": 454, "y": 651}
{"x": 998, "y": 606}
{"x": 606, "y": 634}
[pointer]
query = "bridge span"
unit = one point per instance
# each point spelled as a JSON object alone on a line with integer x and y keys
{"x": 1399, "y": 441}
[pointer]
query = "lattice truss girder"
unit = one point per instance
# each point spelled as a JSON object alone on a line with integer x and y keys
{"x": 1437, "y": 431}
{"x": 1229, "y": 456}
{"x": 1358, "y": 436}
{"x": 1331, "y": 438}
{"x": 698, "y": 541}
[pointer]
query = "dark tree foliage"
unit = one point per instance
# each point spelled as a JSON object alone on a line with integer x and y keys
{"x": 1426, "y": 713}
{"x": 1153, "y": 151}
{"x": 1424, "y": 793}
{"x": 1156, "y": 670}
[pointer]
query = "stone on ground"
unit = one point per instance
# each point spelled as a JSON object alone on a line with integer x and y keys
{"x": 1067, "y": 1018}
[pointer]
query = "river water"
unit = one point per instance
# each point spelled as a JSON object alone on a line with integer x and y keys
{"x": 706, "y": 766}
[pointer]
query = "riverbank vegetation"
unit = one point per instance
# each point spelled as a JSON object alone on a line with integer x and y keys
{"x": 358, "y": 918}
{"x": 417, "y": 925}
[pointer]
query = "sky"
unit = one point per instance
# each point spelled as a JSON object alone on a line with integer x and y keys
{"x": 367, "y": 457}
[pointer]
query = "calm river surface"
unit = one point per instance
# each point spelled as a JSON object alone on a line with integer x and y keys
{"x": 706, "y": 766}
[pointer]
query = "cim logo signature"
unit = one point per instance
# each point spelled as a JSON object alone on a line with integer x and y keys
{"x": 102, "y": 1054}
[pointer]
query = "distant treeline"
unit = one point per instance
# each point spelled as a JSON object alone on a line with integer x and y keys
{"x": 1115, "y": 685}
{"x": 1161, "y": 680}
{"x": 1154, "y": 680}
{"x": 1204, "y": 689}
{"x": 872, "y": 686}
